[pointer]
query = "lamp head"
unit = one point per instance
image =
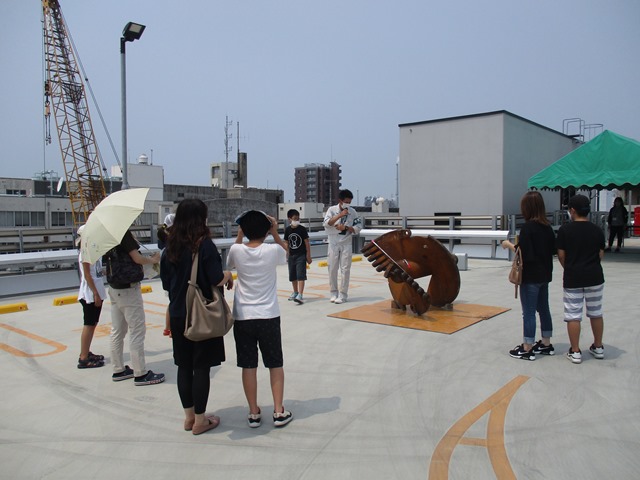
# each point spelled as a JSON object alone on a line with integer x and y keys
{"x": 132, "y": 31}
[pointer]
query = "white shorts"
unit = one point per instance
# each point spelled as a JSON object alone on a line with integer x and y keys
{"x": 575, "y": 298}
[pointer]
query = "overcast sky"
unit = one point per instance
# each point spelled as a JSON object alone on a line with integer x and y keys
{"x": 312, "y": 82}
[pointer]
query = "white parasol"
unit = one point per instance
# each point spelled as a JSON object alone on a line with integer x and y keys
{"x": 110, "y": 220}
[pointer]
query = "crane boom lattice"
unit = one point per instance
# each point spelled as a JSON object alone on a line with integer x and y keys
{"x": 64, "y": 86}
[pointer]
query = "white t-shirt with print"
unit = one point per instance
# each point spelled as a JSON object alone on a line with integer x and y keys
{"x": 256, "y": 295}
{"x": 85, "y": 292}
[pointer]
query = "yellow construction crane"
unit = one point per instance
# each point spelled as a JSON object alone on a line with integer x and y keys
{"x": 65, "y": 95}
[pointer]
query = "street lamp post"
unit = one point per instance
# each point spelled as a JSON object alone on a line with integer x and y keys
{"x": 132, "y": 31}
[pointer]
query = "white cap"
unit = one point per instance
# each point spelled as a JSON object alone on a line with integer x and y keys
{"x": 168, "y": 220}
{"x": 79, "y": 234}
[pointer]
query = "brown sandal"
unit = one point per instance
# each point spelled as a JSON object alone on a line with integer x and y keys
{"x": 90, "y": 363}
{"x": 213, "y": 423}
{"x": 98, "y": 358}
{"x": 188, "y": 424}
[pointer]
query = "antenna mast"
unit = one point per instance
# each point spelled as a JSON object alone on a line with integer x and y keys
{"x": 227, "y": 149}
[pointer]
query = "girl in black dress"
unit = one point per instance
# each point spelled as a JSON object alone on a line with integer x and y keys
{"x": 190, "y": 234}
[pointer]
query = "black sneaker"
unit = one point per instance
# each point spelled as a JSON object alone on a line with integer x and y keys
{"x": 281, "y": 419}
{"x": 543, "y": 349}
{"x": 149, "y": 378}
{"x": 520, "y": 352}
{"x": 254, "y": 420}
{"x": 123, "y": 375}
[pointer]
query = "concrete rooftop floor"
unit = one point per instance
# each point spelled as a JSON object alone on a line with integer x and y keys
{"x": 369, "y": 401}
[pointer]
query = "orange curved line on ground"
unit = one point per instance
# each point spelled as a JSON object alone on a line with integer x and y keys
{"x": 157, "y": 304}
{"x": 57, "y": 347}
{"x": 497, "y": 404}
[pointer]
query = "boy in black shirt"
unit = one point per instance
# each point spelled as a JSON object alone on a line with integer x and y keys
{"x": 580, "y": 249}
{"x": 297, "y": 239}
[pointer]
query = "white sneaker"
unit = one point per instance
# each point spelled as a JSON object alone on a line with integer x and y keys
{"x": 298, "y": 299}
{"x": 340, "y": 300}
{"x": 333, "y": 299}
{"x": 575, "y": 357}
{"x": 293, "y": 296}
{"x": 597, "y": 352}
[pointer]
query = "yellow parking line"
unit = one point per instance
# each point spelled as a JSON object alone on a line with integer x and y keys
{"x": 57, "y": 347}
{"x": 324, "y": 263}
{"x": 497, "y": 405}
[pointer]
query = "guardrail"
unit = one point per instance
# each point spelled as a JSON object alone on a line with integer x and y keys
{"x": 51, "y": 251}
{"x": 493, "y": 236}
{"x": 438, "y": 222}
{"x": 24, "y": 240}
{"x": 33, "y": 272}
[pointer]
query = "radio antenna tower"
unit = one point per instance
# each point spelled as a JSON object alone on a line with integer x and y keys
{"x": 227, "y": 137}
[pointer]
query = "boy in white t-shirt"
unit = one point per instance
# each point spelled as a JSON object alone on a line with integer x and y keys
{"x": 256, "y": 310}
{"x": 90, "y": 295}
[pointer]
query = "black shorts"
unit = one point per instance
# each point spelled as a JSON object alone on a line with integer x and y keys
{"x": 297, "y": 267}
{"x": 251, "y": 334}
{"x": 91, "y": 313}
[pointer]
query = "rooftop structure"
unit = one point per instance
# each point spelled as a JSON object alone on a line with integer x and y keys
{"x": 475, "y": 164}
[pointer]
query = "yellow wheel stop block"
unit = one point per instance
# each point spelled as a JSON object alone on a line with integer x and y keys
{"x": 13, "y": 307}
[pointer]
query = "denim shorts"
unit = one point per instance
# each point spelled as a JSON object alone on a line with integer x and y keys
{"x": 297, "y": 267}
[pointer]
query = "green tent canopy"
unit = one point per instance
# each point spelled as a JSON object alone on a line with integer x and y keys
{"x": 605, "y": 162}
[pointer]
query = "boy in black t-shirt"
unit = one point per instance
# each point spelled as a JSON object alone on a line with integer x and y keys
{"x": 580, "y": 249}
{"x": 297, "y": 239}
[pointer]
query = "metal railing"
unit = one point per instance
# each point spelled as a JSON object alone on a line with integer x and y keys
{"x": 24, "y": 240}
{"x": 52, "y": 251}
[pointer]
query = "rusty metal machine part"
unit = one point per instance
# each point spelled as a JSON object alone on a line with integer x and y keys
{"x": 403, "y": 258}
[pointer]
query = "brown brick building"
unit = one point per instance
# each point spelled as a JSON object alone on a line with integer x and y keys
{"x": 318, "y": 183}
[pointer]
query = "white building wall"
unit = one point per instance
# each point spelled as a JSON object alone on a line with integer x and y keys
{"x": 528, "y": 148}
{"x": 150, "y": 176}
{"x": 451, "y": 166}
{"x": 41, "y": 203}
{"x": 306, "y": 209}
{"x": 225, "y": 176}
{"x": 18, "y": 184}
{"x": 142, "y": 175}
{"x": 476, "y": 165}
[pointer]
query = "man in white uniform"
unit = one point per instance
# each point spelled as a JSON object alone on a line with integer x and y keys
{"x": 341, "y": 222}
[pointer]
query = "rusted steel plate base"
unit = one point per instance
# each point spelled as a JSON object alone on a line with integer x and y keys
{"x": 436, "y": 319}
